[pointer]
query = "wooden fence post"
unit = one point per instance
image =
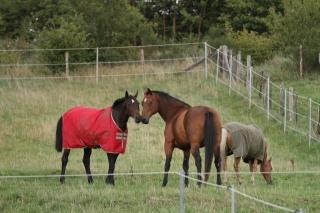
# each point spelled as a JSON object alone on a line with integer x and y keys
{"x": 248, "y": 71}
{"x": 291, "y": 114}
{"x": 66, "y": 57}
{"x": 230, "y": 71}
{"x": 282, "y": 99}
{"x": 318, "y": 125}
{"x": 218, "y": 65}
{"x": 97, "y": 65}
{"x": 142, "y": 59}
{"x": 301, "y": 62}
{"x": 225, "y": 64}
{"x": 239, "y": 67}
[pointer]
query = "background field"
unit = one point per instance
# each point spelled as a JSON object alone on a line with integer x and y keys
{"x": 29, "y": 112}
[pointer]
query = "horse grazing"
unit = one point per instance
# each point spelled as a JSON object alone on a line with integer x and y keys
{"x": 187, "y": 128}
{"x": 87, "y": 128}
{"x": 246, "y": 142}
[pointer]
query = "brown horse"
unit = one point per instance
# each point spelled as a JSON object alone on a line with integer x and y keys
{"x": 246, "y": 142}
{"x": 187, "y": 128}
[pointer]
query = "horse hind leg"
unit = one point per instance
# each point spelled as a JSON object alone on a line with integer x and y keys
{"x": 196, "y": 154}
{"x": 64, "y": 162}
{"x": 86, "y": 163}
{"x": 186, "y": 156}
{"x": 112, "y": 158}
{"x": 217, "y": 163}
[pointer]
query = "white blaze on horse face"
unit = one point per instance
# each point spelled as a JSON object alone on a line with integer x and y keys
{"x": 145, "y": 100}
{"x": 132, "y": 101}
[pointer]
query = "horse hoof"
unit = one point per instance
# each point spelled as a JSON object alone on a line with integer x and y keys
{"x": 62, "y": 180}
{"x": 164, "y": 184}
{"x": 90, "y": 181}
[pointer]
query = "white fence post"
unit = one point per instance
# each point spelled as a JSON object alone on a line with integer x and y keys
{"x": 310, "y": 122}
{"x": 250, "y": 86}
{"x": 233, "y": 199}
{"x": 182, "y": 192}
{"x": 97, "y": 65}
{"x": 268, "y": 97}
{"x": 218, "y": 65}
{"x": 248, "y": 70}
{"x": 206, "y": 59}
{"x": 285, "y": 111}
{"x": 230, "y": 72}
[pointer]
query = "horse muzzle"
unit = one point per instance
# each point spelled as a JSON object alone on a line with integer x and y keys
{"x": 138, "y": 119}
{"x": 144, "y": 120}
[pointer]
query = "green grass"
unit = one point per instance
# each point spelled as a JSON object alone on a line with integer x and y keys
{"x": 29, "y": 111}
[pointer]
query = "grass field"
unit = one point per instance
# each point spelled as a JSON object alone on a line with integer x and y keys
{"x": 29, "y": 111}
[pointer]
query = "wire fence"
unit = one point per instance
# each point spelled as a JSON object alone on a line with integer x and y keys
{"x": 182, "y": 192}
{"x": 295, "y": 112}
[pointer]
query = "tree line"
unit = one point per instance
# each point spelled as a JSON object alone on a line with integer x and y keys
{"x": 260, "y": 28}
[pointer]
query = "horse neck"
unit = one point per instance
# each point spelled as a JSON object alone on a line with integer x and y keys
{"x": 120, "y": 116}
{"x": 169, "y": 107}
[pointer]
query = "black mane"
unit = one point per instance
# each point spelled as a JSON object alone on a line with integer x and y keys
{"x": 167, "y": 95}
{"x": 118, "y": 102}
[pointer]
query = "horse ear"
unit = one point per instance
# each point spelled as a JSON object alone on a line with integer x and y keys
{"x": 136, "y": 95}
{"x": 127, "y": 94}
{"x": 148, "y": 92}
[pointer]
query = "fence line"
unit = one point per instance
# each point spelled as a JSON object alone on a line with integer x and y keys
{"x": 91, "y": 76}
{"x": 101, "y": 62}
{"x": 306, "y": 121}
{"x": 93, "y": 48}
{"x": 233, "y": 190}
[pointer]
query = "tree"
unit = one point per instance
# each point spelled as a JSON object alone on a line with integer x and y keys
{"x": 299, "y": 25}
{"x": 250, "y": 14}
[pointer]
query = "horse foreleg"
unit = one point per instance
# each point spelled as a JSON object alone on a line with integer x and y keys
{"x": 186, "y": 156}
{"x": 196, "y": 154}
{"x": 236, "y": 168}
{"x": 253, "y": 170}
{"x": 64, "y": 162}
{"x": 112, "y": 158}
{"x": 168, "y": 149}
{"x": 86, "y": 163}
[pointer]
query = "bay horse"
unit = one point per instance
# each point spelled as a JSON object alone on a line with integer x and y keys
{"x": 187, "y": 128}
{"x": 246, "y": 142}
{"x": 87, "y": 128}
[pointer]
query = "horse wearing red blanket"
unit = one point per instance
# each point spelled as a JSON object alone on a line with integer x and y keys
{"x": 87, "y": 128}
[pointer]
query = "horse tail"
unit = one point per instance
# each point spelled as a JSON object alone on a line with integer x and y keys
{"x": 209, "y": 141}
{"x": 59, "y": 136}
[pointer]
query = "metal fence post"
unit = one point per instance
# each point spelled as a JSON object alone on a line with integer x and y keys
{"x": 182, "y": 192}
{"x": 285, "y": 111}
{"x": 310, "y": 122}
{"x": 268, "y": 97}
{"x": 97, "y": 65}
{"x": 230, "y": 72}
{"x": 218, "y": 65}
{"x": 233, "y": 199}
{"x": 206, "y": 59}
{"x": 250, "y": 86}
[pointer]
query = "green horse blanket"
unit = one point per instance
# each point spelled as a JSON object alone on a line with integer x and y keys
{"x": 247, "y": 141}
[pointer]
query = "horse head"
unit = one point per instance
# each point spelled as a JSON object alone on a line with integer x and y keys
{"x": 266, "y": 167}
{"x": 132, "y": 106}
{"x": 150, "y": 104}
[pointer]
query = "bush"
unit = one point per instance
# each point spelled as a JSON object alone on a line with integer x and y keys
{"x": 299, "y": 25}
{"x": 70, "y": 33}
{"x": 250, "y": 43}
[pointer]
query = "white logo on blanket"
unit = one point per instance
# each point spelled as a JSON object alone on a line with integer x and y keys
{"x": 121, "y": 136}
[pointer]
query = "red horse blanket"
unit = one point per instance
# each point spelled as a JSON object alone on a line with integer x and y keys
{"x": 90, "y": 127}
